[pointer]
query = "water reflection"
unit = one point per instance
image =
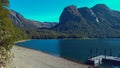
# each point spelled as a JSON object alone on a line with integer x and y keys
{"x": 80, "y": 50}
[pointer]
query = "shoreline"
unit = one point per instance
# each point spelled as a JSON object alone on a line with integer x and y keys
{"x": 28, "y": 58}
{"x": 48, "y": 53}
{"x": 22, "y": 41}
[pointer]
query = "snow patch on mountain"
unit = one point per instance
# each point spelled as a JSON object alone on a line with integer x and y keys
{"x": 93, "y": 14}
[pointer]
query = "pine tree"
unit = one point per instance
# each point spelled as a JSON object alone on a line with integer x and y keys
{"x": 6, "y": 27}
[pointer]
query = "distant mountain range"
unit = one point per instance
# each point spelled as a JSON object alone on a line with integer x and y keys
{"x": 97, "y": 22}
{"x": 21, "y": 22}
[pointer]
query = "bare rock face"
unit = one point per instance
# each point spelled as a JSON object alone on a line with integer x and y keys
{"x": 70, "y": 13}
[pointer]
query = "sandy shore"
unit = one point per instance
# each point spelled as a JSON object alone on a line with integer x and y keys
{"x": 22, "y": 41}
{"x": 27, "y": 58}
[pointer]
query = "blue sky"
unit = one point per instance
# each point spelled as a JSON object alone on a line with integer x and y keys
{"x": 50, "y": 10}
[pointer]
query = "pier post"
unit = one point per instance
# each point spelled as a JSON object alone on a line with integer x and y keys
{"x": 91, "y": 53}
{"x": 111, "y": 55}
{"x": 119, "y": 53}
{"x": 105, "y": 52}
{"x": 110, "y": 51}
{"x": 96, "y": 51}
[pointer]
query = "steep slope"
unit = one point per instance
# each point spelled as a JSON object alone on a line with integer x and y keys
{"x": 21, "y": 22}
{"x": 98, "y": 21}
{"x": 71, "y": 21}
{"x": 94, "y": 21}
{"x": 107, "y": 16}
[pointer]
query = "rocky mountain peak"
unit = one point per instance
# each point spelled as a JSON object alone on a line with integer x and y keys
{"x": 71, "y": 9}
{"x": 70, "y": 13}
{"x": 101, "y": 7}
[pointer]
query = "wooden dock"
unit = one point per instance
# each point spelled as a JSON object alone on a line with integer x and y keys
{"x": 104, "y": 59}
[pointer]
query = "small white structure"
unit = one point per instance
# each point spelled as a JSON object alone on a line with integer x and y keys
{"x": 104, "y": 59}
{"x": 96, "y": 60}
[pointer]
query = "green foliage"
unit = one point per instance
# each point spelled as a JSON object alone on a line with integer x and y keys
{"x": 20, "y": 34}
{"x": 50, "y": 34}
{"x": 7, "y": 31}
{"x": 41, "y": 34}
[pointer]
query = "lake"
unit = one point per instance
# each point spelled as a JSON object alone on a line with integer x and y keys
{"x": 76, "y": 50}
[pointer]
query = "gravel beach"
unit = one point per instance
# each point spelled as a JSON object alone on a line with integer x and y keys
{"x": 28, "y": 58}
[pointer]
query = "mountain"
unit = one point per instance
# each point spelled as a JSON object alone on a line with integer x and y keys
{"x": 98, "y": 21}
{"x": 71, "y": 21}
{"x": 21, "y": 22}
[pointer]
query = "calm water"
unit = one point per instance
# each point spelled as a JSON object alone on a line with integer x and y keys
{"x": 77, "y": 50}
